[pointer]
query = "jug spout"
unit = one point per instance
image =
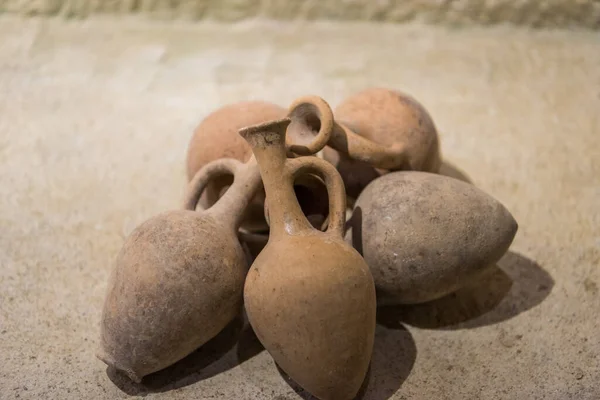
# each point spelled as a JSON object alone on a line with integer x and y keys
{"x": 267, "y": 141}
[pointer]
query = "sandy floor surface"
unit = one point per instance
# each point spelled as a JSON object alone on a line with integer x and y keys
{"x": 95, "y": 118}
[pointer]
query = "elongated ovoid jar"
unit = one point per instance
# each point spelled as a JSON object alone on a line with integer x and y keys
{"x": 309, "y": 296}
{"x": 179, "y": 277}
{"x": 426, "y": 235}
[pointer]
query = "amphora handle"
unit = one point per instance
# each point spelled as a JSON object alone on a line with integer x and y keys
{"x": 335, "y": 188}
{"x": 313, "y": 126}
{"x": 210, "y": 171}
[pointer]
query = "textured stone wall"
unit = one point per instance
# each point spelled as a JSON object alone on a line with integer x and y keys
{"x": 535, "y": 13}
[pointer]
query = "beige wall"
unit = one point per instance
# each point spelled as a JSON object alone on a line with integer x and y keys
{"x": 537, "y": 13}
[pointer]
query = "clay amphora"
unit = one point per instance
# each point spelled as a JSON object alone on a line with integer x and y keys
{"x": 178, "y": 280}
{"x": 377, "y": 131}
{"x": 425, "y": 235}
{"x": 309, "y": 296}
{"x": 217, "y": 137}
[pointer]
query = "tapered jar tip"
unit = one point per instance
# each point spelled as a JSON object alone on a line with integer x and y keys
{"x": 108, "y": 360}
{"x": 270, "y": 132}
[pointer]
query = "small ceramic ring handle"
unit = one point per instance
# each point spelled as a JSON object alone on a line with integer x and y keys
{"x": 335, "y": 188}
{"x": 311, "y": 127}
{"x": 219, "y": 167}
{"x": 311, "y": 114}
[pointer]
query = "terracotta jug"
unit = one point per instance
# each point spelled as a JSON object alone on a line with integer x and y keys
{"x": 309, "y": 296}
{"x": 217, "y": 137}
{"x": 178, "y": 279}
{"x": 377, "y": 131}
{"x": 425, "y": 235}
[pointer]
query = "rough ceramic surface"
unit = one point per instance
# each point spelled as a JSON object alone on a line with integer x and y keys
{"x": 314, "y": 114}
{"x": 425, "y": 235}
{"x": 217, "y": 134}
{"x": 93, "y": 140}
{"x": 216, "y": 137}
{"x": 309, "y": 296}
{"x": 537, "y": 13}
{"x": 178, "y": 279}
{"x": 390, "y": 119}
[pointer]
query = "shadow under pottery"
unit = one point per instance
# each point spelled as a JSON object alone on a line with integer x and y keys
{"x": 216, "y": 356}
{"x": 394, "y": 354}
{"x": 516, "y": 284}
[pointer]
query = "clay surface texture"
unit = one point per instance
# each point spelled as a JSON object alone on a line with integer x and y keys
{"x": 217, "y": 137}
{"x": 425, "y": 235}
{"x": 179, "y": 277}
{"x": 403, "y": 134}
{"x": 173, "y": 290}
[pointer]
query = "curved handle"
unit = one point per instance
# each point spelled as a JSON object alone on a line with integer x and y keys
{"x": 335, "y": 188}
{"x": 196, "y": 186}
{"x": 311, "y": 126}
{"x": 360, "y": 148}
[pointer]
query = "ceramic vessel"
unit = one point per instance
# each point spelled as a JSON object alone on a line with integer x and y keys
{"x": 217, "y": 137}
{"x": 309, "y": 296}
{"x": 178, "y": 280}
{"x": 376, "y": 131}
{"x": 425, "y": 235}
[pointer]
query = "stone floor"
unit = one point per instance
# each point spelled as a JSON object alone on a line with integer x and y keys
{"x": 95, "y": 120}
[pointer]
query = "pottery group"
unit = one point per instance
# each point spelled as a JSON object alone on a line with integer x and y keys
{"x": 307, "y": 218}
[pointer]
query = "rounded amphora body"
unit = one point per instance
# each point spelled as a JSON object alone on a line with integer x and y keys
{"x": 388, "y": 118}
{"x": 311, "y": 301}
{"x": 174, "y": 290}
{"x": 425, "y": 235}
{"x": 178, "y": 279}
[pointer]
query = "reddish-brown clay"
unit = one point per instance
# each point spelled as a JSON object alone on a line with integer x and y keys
{"x": 309, "y": 296}
{"x": 376, "y": 131}
{"x": 217, "y": 137}
{"x": 425, "y": 235}
{"x": 178, "y": 280}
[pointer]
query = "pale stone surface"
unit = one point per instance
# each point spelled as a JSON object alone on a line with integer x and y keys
{"x": 96, "y": 117}
{"x": 538, "y": 13}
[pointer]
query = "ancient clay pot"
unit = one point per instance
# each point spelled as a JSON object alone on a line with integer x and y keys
{"x": 377, "y": 131}
{"x": 309, "y": 296}
{"x": 178, "y": 280}
{"x": 425, "y": 235}
{"x": 217, "y": 137}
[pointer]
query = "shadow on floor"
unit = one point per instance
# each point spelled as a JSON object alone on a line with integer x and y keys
{"x": 218, "y": 355}
{"x": 515, "y": 285}
{"x": 394, "y": 354}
